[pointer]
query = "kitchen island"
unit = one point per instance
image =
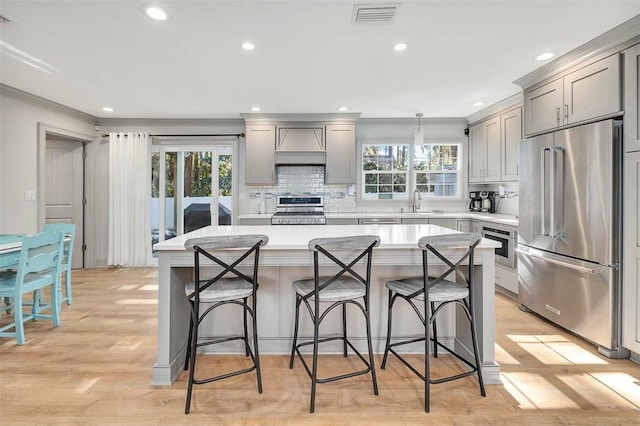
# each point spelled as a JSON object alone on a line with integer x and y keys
{"x": 285, "y": 258}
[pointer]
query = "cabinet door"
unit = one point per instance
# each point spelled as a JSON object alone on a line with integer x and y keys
{"x": 341, "y": 153}
{"x": 450, "y": 223}
{"x": 465, "y": 225}
{"x": 492, "y": 150}
{"x": 477, "y": 227}
{"x": 592, "y": 91}
{"x": 511, "y": 127}
{"x": 632, "y": 99}
{"x": 631, "y": 260}
{"x": 542, "y": 107}
{"x": 259, "y": 167}
{"x": 476, "y": 153}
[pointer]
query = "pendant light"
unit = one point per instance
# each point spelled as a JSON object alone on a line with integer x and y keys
{"x": 419, "y": 133}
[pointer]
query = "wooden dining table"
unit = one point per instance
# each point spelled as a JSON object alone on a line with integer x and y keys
{"x": 10, "y": 245}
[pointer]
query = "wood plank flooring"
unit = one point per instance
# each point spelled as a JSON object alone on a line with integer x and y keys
{"x": 96, "y": 369}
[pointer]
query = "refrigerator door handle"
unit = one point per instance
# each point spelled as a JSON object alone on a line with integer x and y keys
{"x": 543, "y": 187}
{"x": 552, "y": 193}
{"x": 558, "y": 262}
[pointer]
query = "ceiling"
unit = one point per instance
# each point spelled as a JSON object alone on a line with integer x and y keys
{"x": 309, "y": 56}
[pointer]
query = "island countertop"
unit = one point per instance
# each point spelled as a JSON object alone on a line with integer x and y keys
{"x": 295, "y": 237}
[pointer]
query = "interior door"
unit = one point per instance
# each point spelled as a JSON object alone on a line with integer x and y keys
{"x": 64, "y": 189}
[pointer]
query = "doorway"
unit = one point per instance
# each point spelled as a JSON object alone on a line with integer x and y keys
{"x": 64, "y": 191}
{"x": 192, "y": 187}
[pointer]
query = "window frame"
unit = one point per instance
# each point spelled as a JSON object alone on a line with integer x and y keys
{"x": 411, "y": 172}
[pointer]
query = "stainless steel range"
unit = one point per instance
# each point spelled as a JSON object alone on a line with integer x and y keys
{"x": 299, "y": 210}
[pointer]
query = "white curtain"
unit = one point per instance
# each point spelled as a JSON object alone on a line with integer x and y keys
{"x": 129, "y": 199}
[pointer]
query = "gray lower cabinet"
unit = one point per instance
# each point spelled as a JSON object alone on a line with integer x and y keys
{"x": 451, "y": 223}
{"x": 465, "y": 225}
{"x": 631, "y": 249}
{"x": 342, "y": 221}
{"x": 255, "y": 221}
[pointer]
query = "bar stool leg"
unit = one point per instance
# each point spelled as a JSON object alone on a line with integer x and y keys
{"x": 427, "y": 375}
{"x": 386, "y": 346}
{"x": 344, "y": 328}
{"x": 295, "y": 331}
{"x": 246, "y": 334}
{"x": 371, "y": 361}
{"x": 474, "y": 340}
{"x": 192, "y": 362}
{"x": 435, "y": 331}
{"x": 188, "y": 356}
{"x": 314, "y": 373}
{"x": 255, "y": 343}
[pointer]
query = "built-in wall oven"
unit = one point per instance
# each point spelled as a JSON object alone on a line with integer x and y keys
{"x": 505, "y": 254}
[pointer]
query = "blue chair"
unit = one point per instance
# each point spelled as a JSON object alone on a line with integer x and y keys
{"x": 69, "y": 232}
{"x": 38, "y": 268}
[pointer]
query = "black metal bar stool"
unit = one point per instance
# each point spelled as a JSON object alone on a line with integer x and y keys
{"x": 436, "y": 293}
{"x": 338, "y": 290}
{"x": 220, "y": 291}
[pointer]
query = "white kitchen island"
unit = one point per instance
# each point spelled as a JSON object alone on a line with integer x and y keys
{"x": 285, "y": 258}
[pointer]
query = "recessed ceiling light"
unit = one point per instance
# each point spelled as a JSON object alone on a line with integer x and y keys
{"x": 477, "y": 104}
{"x": 544, "y": 56}
{"x": 156, "y": 13}
{"x": 107, "y": 109}
{"x": 248, "y": 46}
{"x": 343, "y": 108}
{"x": 256, "y": 109}
{"x": 400, "y": 47}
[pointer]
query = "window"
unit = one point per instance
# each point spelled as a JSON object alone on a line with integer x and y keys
{"x": 391, "y": 171}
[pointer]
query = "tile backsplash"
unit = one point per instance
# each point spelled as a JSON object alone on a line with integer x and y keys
{"x": 302, "y": 180}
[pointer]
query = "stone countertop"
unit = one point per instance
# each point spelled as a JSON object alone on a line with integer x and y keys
{"x": 296, "y": 237}
{"x": 500, "y": 218}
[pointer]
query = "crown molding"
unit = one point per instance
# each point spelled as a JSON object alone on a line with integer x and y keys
{"x": 616, "y": 39}
{"x": 513, "y": 101}
{"x": 199, "y": 122}
{"x": 273, "y": 118}
{"x": 402, "y": 121}
{"x": 43, "y": 102}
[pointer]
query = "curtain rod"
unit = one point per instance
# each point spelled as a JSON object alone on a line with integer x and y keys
{"x": 238, "y": 135}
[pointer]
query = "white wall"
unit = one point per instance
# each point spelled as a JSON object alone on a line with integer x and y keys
{"x": 20, "y": 114}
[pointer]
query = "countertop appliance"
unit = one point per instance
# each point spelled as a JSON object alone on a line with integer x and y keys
{"x": 505, "y": 254}
{"x": 475, "y": 205}
{"x": 488, "y": 201}
{"x": 569, "y": 231}
{"x": 299, "y": 210}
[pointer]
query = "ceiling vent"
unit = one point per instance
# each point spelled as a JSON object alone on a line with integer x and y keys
{"x": 374, "y": 13}
{"x": 4, "y": 19}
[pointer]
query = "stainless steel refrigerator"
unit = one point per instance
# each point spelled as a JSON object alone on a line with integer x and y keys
{"x": 569, "y": 246}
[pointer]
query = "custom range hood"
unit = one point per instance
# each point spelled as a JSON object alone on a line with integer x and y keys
{"x": 297, "y": 145}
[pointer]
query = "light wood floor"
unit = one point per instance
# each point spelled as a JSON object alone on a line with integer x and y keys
{"x": 96, "y": 369}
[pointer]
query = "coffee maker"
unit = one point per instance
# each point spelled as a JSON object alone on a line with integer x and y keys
{"x": 475, "y": 205}
{"x": 488, "y": 201}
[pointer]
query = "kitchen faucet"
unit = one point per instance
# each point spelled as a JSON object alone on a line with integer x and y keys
{"x": 415, "y": 203}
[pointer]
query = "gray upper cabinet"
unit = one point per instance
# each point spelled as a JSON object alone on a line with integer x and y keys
{"x": 589, "y": 92}
{"x": 341, "y": 153}
{"x": 542, "y": 107}
{"x": 511, "y": 128}
{"x": 632, "y": 99}
{"x": 259, "y": 150}
{"x": 484, "y": 151}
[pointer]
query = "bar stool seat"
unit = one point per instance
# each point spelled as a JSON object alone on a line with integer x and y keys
{"x": 222, "y": 290}
{"x": 444, "y": 291}
{"x": 343, "y": 288}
